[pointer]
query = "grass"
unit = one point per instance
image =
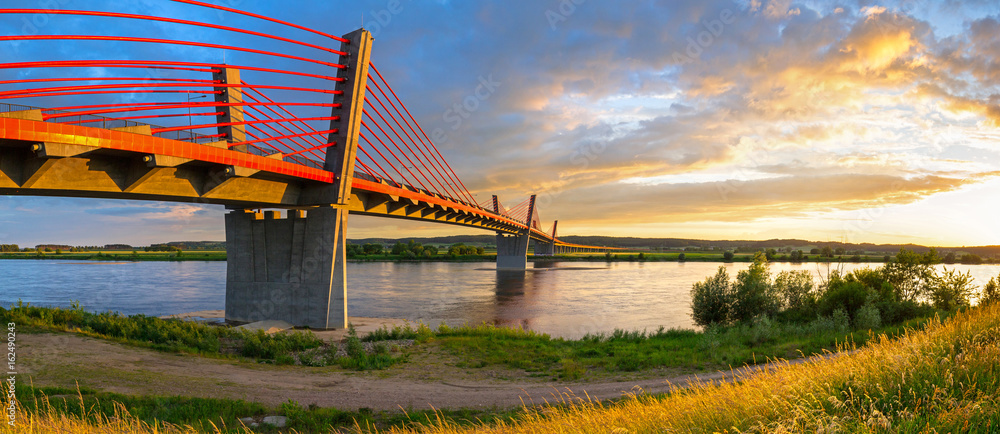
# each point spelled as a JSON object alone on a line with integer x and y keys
{"x": 122, "y": 255}
{"x": 49, "y": 409}
{"x": 630, "y": 351}
{"x": 179, "y": 336}
{"x": 942, "y": 378}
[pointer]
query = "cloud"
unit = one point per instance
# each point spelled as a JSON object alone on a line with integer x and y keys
{"x": 811, "y": 106}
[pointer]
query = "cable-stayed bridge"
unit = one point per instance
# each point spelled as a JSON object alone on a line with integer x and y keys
{"x": 316, "y": 131}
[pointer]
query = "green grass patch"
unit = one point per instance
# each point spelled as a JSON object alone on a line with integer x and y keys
{"x": 630, "y": 351}
{"x": 223, "y": 415}
{"x": 172, "y": 335}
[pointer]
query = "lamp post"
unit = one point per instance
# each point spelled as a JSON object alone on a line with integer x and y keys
{"x": 189, "y": 98}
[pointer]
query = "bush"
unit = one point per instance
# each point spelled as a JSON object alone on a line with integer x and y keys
{"x": 951, "y": 290}
{"x": 727, "y": 256}
{"x": 848, "y": 296}
{"x": 841, "y": 320}
{"x": 868, "y": 317}
{"x": 991, "y": 292}
{"x": 680, "y": 257}
{"x": 794, "y": 287}
{"x": 753, "y": 293}
{"x": 711, "y": 300}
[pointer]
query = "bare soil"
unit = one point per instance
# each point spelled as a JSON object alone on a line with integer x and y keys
{"x": 429, "y": 379}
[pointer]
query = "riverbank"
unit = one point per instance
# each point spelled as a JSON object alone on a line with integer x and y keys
{"x": 950, "y": 357}
{"x": 198, "y": 255}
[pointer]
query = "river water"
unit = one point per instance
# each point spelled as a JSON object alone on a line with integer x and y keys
{"x": 566, "y": 299}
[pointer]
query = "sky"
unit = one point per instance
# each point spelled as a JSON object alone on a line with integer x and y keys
{"x": 855, "y": 121}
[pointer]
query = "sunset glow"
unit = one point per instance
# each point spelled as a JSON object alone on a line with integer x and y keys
{"x": 847, "y": 121}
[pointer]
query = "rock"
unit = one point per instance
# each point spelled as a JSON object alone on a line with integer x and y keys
{"x": 276, "y": 421}
{"x": 269, "y": 326}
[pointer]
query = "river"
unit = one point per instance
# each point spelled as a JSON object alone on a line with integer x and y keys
{"x": 566, "y": 299}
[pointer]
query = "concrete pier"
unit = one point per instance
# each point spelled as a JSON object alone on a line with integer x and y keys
{"x": 289, "y": 269}
{"x": 512, "y": 250}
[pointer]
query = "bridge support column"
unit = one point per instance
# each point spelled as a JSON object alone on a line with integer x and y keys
{"x": 293, "y": 269}
{"x": 289, "y": 269}
{"x": 231, "y": 94}
{"x": 512, "y": 250}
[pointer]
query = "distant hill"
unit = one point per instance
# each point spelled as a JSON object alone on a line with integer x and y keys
{"x": 652, "y": 244}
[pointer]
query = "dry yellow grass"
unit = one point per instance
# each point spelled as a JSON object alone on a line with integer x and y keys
{"x": 942, "y": 379}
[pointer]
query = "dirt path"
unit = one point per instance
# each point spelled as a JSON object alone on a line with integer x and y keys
{"x": 64, "y": 359}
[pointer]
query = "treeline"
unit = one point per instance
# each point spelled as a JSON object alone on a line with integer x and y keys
{"x": 410, "y": 250}
{"x": 905, "y": 288}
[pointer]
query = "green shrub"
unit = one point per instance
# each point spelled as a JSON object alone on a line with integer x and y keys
{"x": 991, "y": 292}
{"x": 951, "y": 290}
{"x": 711, "y": 300}
{"x": 794, "y": 287}
{"x": 849, "y": 296}
{"x": 868, "y": 317}
{"x": 753, "y": 293}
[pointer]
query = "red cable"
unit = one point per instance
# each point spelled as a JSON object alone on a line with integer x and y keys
{"x": 297, "y": 143}
{"x": 418, "y": 126}
{"x": 400, "y": 139}
{"x": 363, "y": 124}
{"x": 379, "y": 101}
{"x": 367, "y": 169}
{"x": 161, "y": 106}
{"x": 161, "y": 41}
{"x": 150, "y": 85}
{"x": 397, "y": 147}
{"x": 143, "y": 117}
{"x": 226, "y": 124}
{"x": 167, "y": 20}
{"x": 105, "y": 92}
{"x": 385, "y": 174}
{"x": 282, "y": 109}
{"x": 42, "y": 80}
{"x": 401, "y": 177}
{"x": 277, "y": 138}
{"x": 223, "y": 8}
{"x": 454, "y": 188}
{"x": 153, "y": 64}
{"x": 283, "y": 137}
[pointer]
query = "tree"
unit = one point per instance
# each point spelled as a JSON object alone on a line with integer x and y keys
{"x": 58, "y": 251}
{"x": 950, "y": 258}
{"x": 680, "y": 257}
{"x": 827, "y": 252}
{"x": 951, "y": 290}
{"x": 814, "y": 251}
{"x": 991, "y": 292}
{"x": 908, "y": 274}
{"x": 480, "y": 251}
{"x": 770, "y": 254}
{"x": 796, "y": 256}
{"x": 971, "y": 259}
{"x": 372, "y": 249}
{"x": 794, "y": 287}
{"x": 753, "y": 293}
{"x": 839, "y": 251}
{"x": 398, "y": 248}
{"x": 727, "y": 256}
{"x": 711, "y": 300}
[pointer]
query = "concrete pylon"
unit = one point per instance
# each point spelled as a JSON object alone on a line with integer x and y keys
{"x": 543, "y": 248}
{"x": 294, "y": 269}
{"x": 512, "y": 250}
{"x": 231, "y": 113}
